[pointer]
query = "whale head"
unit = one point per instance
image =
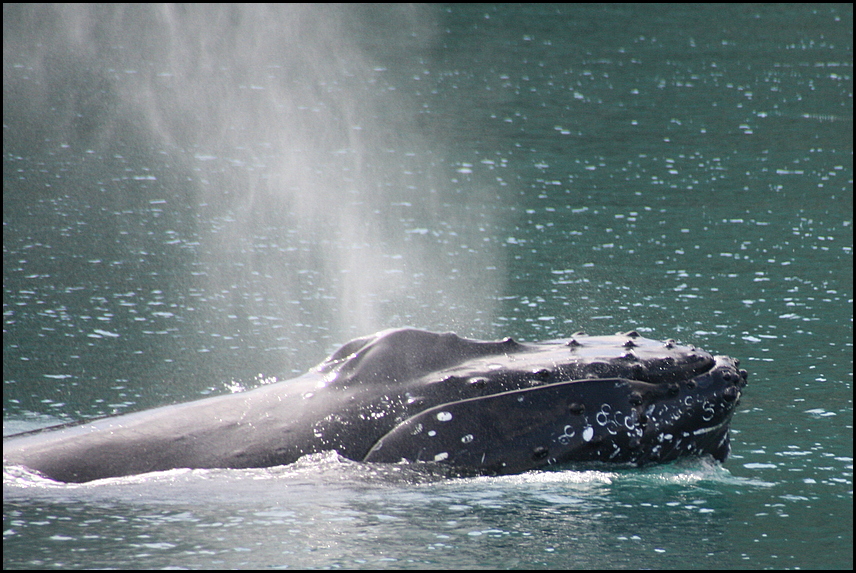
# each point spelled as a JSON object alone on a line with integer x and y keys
{"x": 506, "y": 407}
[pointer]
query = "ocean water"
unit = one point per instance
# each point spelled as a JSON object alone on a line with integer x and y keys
{"x": 198, "y": 200}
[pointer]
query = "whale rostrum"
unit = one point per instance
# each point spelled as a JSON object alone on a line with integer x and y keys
{"x": 478, "y": 407}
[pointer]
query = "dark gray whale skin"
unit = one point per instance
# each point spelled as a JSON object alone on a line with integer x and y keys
{"x": 479, "y": 407}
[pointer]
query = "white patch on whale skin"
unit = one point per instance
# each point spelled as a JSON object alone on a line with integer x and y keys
{"x": 710, "y": 429}
{"x": 565, "y": 438}
{"x": 441, "y": 456}
{"x": 588, "y": 434}
{"x": 444, "y": 416}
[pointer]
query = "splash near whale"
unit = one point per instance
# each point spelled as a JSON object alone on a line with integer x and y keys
{"x": 478, "y": 407}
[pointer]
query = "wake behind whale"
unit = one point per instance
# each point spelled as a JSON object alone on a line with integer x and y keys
{"x": 478, "y": 407}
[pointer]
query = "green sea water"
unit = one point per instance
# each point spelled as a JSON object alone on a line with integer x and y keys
{"x": 200, "y": 199}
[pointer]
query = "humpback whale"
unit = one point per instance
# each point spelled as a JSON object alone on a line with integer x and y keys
{"x": 478, "y": 407}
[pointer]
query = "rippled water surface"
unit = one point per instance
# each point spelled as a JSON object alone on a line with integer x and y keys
{"x": 199, "y": 200}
